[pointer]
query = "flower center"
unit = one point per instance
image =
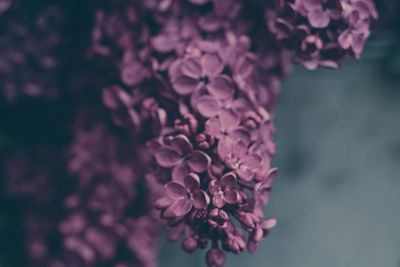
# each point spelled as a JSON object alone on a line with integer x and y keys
{"x": 190, "y": 195}
{"x": 205, "y": 79}
{"x": 220, "y": 192}
{"x": 238, "y": 164}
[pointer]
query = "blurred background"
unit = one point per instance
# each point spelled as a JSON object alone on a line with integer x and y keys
{"x": 337, "y": 194}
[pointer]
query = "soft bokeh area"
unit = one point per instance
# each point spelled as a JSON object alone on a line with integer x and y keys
{"x": 337, "y": 194}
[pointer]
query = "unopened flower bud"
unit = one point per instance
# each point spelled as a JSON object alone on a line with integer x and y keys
{"x": 188, "y": 125}
{"x": 251, "y": 120}
{"x": 189, "y": 244}
{"x": 215, "y": 257}
{"x": 205, "y": 140}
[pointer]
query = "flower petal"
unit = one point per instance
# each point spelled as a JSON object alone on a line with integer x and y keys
{"x": 208, "y": 106}
{"x": 213, "y": 127}
{"x": 132, "y": 74}
{"x": 318, "y": 18}
{"x": 345, "y": 39}
{"x": 228, "y": 181}
{"x": 240, "y": 106}
{"x": 357, "y": 44}
{"x": 257, "y": 234}
{"x": 212, "y": 64}
{"x": 240, "y": 149}
{"x": 184, "y": 85}
{"x": 191, "y": 68}
{"x": 252, "y": 246}
{"x": 167, "y": 157}
{"x": 243, "y": 67}
{"x": 240, "y": 134}
{"x": 229, "y": 120}
{"x": 245, "y": 173}
{"x": 270, "y": 176}
{"x": 231, "y": 196}
{"x": 179, "y": 172}
{"x": 200, "y": 199}
{"x": 164, "y": 43}
{"x": 199, "y": 161}
{"x": 181, "y": 207}
{"x": 174, "y": 70}
{"x": 252, "y": 161}
{"x": 175, "y": 190}
{"x": 221, "y": 87}
{"x": 225, "y": 147}
{"x": 209, "y": 22}
{"x": 213, "y": 186}
{"x": 311, "y": 5}
{"x": 181, "y": 144}
{"x": 269, "y": 223}
{"x": 218, "y": 201}
{"x": 192, "y": 182}
{"x": 163, "y": 203}
{"x": 261, "y": 193}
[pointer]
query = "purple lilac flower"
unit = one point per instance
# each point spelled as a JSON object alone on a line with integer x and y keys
{"x": 239, "y": 159}
{"x": 187, "y": 195}
{"x": 180, "y": 156}
{"x": 226, "y": 128}
{"x": 323, "y": 32}
{"x": 194, "y": 73}
{"x": 223, "y": 190}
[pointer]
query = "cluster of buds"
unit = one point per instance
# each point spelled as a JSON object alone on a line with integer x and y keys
{"x": 322, "y": 32}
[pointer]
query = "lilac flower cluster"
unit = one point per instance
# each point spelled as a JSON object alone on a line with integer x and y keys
{"x": 216, "y": 167}
{"x": 107, "y": 215}
{"x": 323, "y": 32}
{"x": 208, "y": 102}
{"x": 30, "y": 59}
{"x": 170, "y": 119}
{"x": 98, "y": 211}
